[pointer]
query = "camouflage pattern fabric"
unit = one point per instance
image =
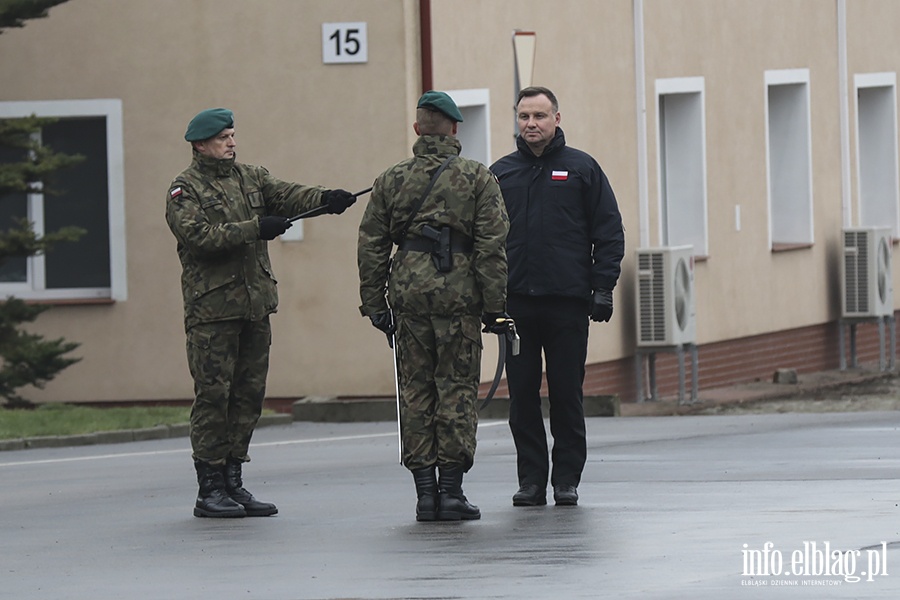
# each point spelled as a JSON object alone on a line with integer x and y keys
{"x": 213, "y": 208}
{"x": 439, "y": 363}
{"x": 467, "y": 198}
{"x": 229, "y": 361}
{"x": 438, "y": 314}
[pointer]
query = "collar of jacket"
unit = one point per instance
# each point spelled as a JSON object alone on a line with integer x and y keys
{"x": 558, "y": 141}
{"x": 217, "y": 167}
{"x": 437, "y": 144}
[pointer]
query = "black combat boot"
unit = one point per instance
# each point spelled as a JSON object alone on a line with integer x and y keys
{"x": 452, "y": 504}
{"x": 235, "y": 488}
{"x": 427, "y": 491}
{"x": 213, "y": 500}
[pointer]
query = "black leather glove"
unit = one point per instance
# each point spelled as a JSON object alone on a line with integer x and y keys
{"x": 338, "y": 201}
{"x": 496, "y": 322}
{"x": 271, "y": 226}
{"x": 384, "y": 322}
{"x": 602, "y": 306}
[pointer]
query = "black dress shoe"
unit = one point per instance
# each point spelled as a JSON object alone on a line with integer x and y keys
{"x": 530, "y": 494}
{"x": 565, "y": 495}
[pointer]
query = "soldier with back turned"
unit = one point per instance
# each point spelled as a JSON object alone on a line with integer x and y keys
{"x": 448, "y": 275}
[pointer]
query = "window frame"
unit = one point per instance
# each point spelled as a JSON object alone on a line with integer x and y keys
{"x": 475, "y": 131}
{"x": 678, "y": 86}
{"x": 886, "y": 81}
{"x": 110, "y": 109}
{"x": 790, "y": 77}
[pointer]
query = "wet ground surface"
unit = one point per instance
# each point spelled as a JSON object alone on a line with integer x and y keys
{"x": 698, "y": 506}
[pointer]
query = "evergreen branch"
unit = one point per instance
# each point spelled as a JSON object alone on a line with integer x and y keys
{"x": 14, "y": 13}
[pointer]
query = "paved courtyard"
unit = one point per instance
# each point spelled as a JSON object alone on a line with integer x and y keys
{"x": 671, "y": 507}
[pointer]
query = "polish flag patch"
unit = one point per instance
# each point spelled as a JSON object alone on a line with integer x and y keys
{"x": 175, "y": 193}
{"x": 559, "y": 175}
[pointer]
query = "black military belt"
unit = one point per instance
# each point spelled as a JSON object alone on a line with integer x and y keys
{"x": 459, "y": 242}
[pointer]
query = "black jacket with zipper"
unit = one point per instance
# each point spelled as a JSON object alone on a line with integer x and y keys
{"x": 566, "y": 236}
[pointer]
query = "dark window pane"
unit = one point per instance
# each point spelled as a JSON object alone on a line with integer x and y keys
{"x": 12, "y": 206}
{"x": 82, "y": 200}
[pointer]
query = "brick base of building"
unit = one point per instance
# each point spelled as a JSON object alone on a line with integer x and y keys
{"x": 807, "y": 350}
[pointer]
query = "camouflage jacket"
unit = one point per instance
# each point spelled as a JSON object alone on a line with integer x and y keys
{"x": 213, "y": 208}
{"x": 466, "y": 197}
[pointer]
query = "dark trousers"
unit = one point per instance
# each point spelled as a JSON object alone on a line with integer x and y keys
{"x": 557, "y": 328}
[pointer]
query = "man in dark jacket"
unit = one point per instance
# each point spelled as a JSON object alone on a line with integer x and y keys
{"x": 564, "y": 249}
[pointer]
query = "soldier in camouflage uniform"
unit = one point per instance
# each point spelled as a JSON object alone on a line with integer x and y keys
{"x": 222, "y": 214}
{"x": 436, "y": 311}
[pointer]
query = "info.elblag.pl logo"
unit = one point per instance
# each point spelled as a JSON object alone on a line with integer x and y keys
{"x": 813, "y": 563}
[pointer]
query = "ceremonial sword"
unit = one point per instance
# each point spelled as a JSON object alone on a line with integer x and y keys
{"x": 513, "y": 337}
{"x": 392, "y": 342}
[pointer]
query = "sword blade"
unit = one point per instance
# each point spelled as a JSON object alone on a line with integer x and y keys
{"x": 498, "y": 374}
{"x": 393, "y": 343}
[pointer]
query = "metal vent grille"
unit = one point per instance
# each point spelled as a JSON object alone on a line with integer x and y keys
{"x": 652, "y": 294}
{"x": 856, "y": 260}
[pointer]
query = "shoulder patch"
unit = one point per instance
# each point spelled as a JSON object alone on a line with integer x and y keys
{"x": 175, "y": 193}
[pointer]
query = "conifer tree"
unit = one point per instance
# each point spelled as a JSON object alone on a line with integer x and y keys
{"x": 27, "y": 358}
{"x": 14, "y": 13}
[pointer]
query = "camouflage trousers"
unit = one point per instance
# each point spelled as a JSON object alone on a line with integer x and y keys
{"x": 229, "y": 361}
{"x": 439, "y": 366}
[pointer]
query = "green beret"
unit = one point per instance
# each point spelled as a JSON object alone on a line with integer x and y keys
{"x": 208, "y": 123}
{"x": 442, "y": 103}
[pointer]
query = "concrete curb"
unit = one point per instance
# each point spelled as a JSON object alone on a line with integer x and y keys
{"x": 329, "y": 409}
{"x": 118, "y": 437}
{"x": 343, "y": 410}
{"x": 13, "y": 444}
{"x": 321, "y": 409}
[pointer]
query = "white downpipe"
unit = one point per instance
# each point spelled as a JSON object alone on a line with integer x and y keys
{"x": 843, "y": 84}
{"x": 641, "y": 106}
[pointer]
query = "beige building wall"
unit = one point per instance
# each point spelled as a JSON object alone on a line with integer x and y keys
{"x": 584, "y": 52}
{"x": 872, "y": 48}
{"x": 340, "y": 125}
{"x": 330, "y": 125}
{"x": 742, "y": 288}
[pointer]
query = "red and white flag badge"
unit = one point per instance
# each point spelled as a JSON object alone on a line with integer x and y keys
{"x": 175, "y": 193}
{"x": 559, "y": 175}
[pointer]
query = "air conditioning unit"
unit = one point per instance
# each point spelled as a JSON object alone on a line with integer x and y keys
{"x": 866, "y": 286}
{"x": 665, "y": 296}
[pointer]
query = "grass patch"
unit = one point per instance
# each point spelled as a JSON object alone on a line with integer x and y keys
{"x": 66, "y": 419}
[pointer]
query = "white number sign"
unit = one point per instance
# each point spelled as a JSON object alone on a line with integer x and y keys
{"x": 344, "y": 43}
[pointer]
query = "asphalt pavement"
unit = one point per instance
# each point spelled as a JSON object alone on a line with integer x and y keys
{"x": 737, "y": 506}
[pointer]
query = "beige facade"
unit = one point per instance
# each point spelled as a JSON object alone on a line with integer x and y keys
{"x": 611, "y": 63}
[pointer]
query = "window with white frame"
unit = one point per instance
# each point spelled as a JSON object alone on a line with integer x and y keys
{"x": 789, "y": 158}
{"x": 89, "y": 195}
{"x": 475, "y": 131}
{"x": 681, "y": 139}
{"x": 876, "y": 150}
